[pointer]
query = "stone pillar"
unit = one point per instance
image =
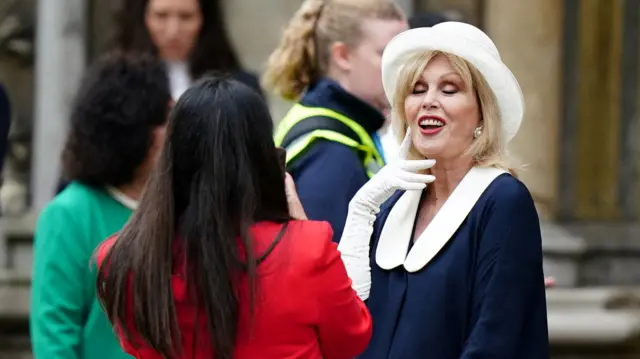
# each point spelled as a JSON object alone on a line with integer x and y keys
{"x": 529, "y": 37}
{"x": 407, "y": 6}
{"x": 60, "y": 62}
{"x": 459, "y": 10}
{"x": 254, "y": 43}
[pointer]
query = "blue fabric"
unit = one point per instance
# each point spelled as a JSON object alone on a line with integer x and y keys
{"x": 328, "y": 174}
{"x": 482, "y": 296}
{"x": 327, "y": 177}
{"x": 376, "y": 141}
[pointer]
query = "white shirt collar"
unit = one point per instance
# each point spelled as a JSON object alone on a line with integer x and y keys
{"x": 179, "y": 78}
{"x": 125, "y": 200}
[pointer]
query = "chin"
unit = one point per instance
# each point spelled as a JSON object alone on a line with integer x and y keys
{"x": 174, "y": 56}
{"x": 429, "y": 153}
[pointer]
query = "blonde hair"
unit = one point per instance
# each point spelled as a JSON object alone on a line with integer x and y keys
{"x": 489, "y": 149}
{"x": 304, "y": 52}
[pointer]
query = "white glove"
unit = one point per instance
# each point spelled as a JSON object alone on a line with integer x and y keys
{"x": 354, "y": 243}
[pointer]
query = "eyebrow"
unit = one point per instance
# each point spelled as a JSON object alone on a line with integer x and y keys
{"x": 449, "y": 74}
{"x": 445, "y": 75}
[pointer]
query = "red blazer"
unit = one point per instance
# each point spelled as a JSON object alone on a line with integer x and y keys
{"x": 305, "y": 307}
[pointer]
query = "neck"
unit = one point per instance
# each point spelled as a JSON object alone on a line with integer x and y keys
{"x": 448, "y": 175}
{"x": 346, "y": 85}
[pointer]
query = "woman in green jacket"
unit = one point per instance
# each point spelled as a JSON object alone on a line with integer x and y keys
{"x": 117, "y": 127}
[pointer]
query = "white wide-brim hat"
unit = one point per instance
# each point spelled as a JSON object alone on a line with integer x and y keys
{"x": 465, "y": 41}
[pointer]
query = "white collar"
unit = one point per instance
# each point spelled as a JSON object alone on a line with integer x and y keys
{"x": 179, "y": 78}
{"x": 396, "y": 233}
{"x": 119, "y": 196}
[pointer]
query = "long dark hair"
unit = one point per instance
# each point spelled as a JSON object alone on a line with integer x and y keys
{"x": 218, "y": 174}
{"x": 213, "y": 50}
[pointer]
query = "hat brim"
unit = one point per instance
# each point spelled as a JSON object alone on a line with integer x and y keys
{"x": 500, "y": 79}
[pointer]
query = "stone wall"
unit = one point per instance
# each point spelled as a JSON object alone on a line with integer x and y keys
{"x": 534, "y": 53}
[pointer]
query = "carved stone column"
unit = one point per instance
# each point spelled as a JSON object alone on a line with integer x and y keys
{"x": 529, "y": 37}
{"x": 60, "y": 62}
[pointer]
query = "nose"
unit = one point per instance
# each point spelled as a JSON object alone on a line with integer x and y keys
{"x": 430, "y": 100}
{"x": 172, "y": 27}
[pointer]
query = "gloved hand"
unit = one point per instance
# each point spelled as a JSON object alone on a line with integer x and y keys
{"x": 401, "y": 174}
{"x": 354, "y": 243}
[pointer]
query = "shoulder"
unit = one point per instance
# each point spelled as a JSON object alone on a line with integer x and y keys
{"x": 73, "y": 206}
{"x": 310, "y": 241}
{"x": 76, "y": 193}
{"x": 248, "y": 79}
{"x": 312, "y": 234}
{"x": 307, "y": 235}
{"x": 507, "y": 209}
{"x": 322, "y": 148}
{"x": 104, "y": 248}
{"x": 508, "y": 192}
{"x": 330, "y": 156}
{"x": 64, "y": 204}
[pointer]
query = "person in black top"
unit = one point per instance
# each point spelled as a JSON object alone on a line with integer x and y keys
{"x": 189, "y": 35}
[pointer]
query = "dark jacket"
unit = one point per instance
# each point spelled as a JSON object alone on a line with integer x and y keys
{"x": 249, "y": 79}
{"x": 328, "y": 174}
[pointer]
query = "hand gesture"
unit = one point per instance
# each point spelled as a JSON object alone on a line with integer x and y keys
{"x": 403, "y": 174}
{"x": 295, "y": 206}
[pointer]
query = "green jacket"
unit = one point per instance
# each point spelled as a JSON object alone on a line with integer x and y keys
{"x": 67, "y": 321}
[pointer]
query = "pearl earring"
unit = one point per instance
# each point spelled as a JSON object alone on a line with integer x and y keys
{"x": 477, "y": 132}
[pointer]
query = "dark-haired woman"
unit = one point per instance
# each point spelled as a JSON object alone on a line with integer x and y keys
{"x": 116, "y": 130}
{"x": 211, "y": 263}
{"x": 190, "y": 36}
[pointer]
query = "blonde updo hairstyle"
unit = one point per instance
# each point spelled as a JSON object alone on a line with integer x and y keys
{"x": 304, "y": 52}
{"x": 489, "y": 149}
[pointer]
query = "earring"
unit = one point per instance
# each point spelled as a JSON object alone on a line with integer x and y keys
{"x": 477, "y": 132}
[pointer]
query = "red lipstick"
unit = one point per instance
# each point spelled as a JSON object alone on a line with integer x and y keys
{"x": 431, "y": 124}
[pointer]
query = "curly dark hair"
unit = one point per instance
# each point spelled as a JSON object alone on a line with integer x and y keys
{"x": 121, "y": 100}
{"x": 213, "y": 50}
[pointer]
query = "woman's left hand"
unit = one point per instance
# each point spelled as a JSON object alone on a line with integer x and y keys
{"x": 549, "y": 282}
{"x": 295, "y": 206}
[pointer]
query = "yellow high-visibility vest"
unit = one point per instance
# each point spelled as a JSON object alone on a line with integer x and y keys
{"x": 302, "y": 125}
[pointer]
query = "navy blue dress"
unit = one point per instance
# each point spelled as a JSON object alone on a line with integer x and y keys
{"x": 481, "y": 296}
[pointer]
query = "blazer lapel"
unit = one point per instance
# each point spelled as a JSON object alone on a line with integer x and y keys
{"x": 396, "y": 232}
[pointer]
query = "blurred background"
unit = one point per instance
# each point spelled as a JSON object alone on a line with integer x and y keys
{"x": 578, "y": 62}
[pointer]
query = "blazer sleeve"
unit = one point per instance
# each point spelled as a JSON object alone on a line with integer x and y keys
{"x": 344, "y": 323}
{"x": 508, "y": 313}
{"x": 100, "y": 254}
{"x": 59, "y": 297}
{"x": 103, "y": 249}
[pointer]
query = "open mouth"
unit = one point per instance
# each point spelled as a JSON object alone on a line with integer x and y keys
{"x": 430, "y": 125}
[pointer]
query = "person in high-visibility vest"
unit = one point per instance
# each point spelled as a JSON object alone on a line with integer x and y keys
{"x": 328, "y": 62}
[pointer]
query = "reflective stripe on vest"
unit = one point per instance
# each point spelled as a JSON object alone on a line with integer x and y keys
{"x": 372, "y": 160}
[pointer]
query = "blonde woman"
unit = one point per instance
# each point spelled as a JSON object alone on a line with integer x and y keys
{"x": 328, "y": 63}
{"x": 451, "y": 269}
